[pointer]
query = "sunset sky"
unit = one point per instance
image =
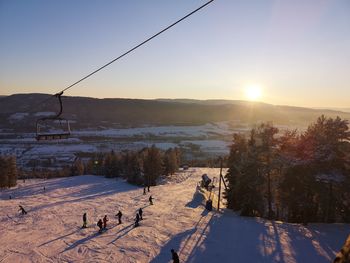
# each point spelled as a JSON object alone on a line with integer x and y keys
{"x": 296, "y": 51}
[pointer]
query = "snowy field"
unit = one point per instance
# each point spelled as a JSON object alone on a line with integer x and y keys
{"x": 51, "y": 232}
{"x": 211, "y": 139}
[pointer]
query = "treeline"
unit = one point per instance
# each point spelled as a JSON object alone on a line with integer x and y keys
{"x": 211, "y": 162}
{"x": 8, "y": 171}
{"x": 294, "y": 176}
{"x": 139, "y": 167}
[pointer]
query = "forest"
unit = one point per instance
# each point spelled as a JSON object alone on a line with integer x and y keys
{"x": 292, "y": 176}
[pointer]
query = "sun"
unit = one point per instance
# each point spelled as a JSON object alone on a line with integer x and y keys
{"x": 253, "y": 92}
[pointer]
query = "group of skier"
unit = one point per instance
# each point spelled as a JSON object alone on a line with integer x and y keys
{"x": 144, "y": 189}
{"x": 102, "y": 223}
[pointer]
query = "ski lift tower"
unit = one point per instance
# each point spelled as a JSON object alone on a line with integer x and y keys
{"x": 221, "y": 178}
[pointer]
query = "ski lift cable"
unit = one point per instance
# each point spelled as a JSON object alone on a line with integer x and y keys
{"x": 130, "y": 50}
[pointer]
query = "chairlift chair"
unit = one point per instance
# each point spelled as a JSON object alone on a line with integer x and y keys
{"x": 43, "y": 125}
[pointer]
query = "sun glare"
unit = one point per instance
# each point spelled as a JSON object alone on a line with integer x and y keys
{"x": 253, "y": 92}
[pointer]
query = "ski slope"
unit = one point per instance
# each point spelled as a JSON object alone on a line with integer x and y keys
{"x": 51, "y": 232}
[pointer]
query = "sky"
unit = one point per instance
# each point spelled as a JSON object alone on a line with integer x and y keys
{"x": 297, "y": 51}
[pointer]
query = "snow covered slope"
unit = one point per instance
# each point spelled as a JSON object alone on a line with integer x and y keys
{"x": 51, "y": 232}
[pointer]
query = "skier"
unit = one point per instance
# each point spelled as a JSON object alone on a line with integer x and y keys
{"x": 175, "y": 256}
{"x": 105, "y": 220}
{"x": 148, "y": 188}
{"x": 24, "y": 212}
{"x": 144, "y": 190}
{"x": 140, "y": 213}
{"x": 150, "y": 200}
{"x": 137, "y": 220}
{"x": 99, "y": 224}
{"x": 84, "y": 220}
{"x": 119, "y": 215}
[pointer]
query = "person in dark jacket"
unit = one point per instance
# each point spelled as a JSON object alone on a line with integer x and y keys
{"x": 99, "y": 224}
{"x": 137, "y": 220}
{"x": 175, "y": 256}
{"x": 150, "y": 200}
{"x": 105, "y": 220}
{"x": 140, "y": 213}
{"x": 84, "y": 220}
{"x": 119, "y": 215}
{"x": 24, "y": 212}
{"x": 144, "y": 190}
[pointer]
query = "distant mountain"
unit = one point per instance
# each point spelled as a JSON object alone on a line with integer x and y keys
{"x": 212, "y": 102}
{"x": 335, "y": 109}
{"x": 20, "y": 111}
{"x": 239, "y": 102}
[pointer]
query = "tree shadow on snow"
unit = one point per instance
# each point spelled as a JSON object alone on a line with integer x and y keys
{"x": 185, "y": 239}
{"x": 91, "y": 189}
{"x": 258, "y": 240}
{"x": 165, "y": 254}
{"x": 230, "y": 238}
{"x": 87, "y": 185}
{"x": 58, "y": 238}
{"x": 127, "y": 229}
{"x": 81, "y": 241}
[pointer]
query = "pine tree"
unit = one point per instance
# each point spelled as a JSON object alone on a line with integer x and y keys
{"x": 133, "y": 168}
{"x": 170, "y": 162}
{"x": 3, "y": 172}
{"x": 152, "y": 165}
{"x": 245, "y": 178}
{"x": 238, "y": 152}
{"x": 12, "y": 173}
{"x": 305, "y": 177}
{"x": 77, "y": 167}
{"x": 266, "y": 144}
{"x": 8, "y": 171}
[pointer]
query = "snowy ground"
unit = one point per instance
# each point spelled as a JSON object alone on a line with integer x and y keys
{"x": 51, "y": 230}
{"x": 209, "y": 140}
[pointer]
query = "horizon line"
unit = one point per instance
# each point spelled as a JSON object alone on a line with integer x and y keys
{"x": 333, "y": 108}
